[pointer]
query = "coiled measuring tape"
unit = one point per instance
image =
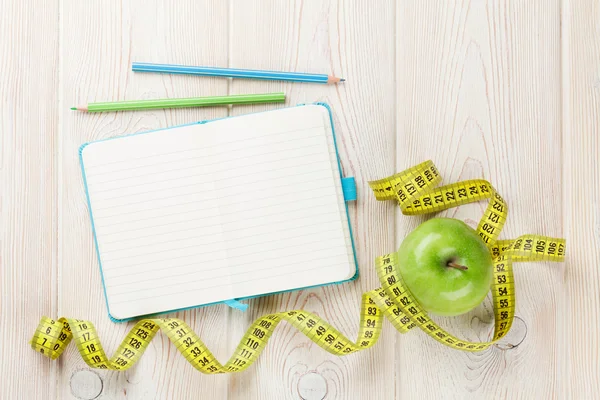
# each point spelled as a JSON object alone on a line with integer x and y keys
{"x": 417, "y": 193}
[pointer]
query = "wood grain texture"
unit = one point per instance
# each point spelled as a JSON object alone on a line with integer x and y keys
{"x": 100, "y": 40}
{"x": 504, "y": 90}
{"x": 28, "y": 192}
{"x": 481, "y": 98}
{"x": 337, "y": 38}
{"x": 580, "y": 342}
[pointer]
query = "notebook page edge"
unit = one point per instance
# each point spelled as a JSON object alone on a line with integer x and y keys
{"x": 353, "y": 261}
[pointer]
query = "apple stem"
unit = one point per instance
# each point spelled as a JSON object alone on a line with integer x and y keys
{"x": 457, "y": 266}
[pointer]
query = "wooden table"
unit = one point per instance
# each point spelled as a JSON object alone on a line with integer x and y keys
{"x": 507, "y": 91}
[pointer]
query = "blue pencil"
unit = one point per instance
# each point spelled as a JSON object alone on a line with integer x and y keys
{"x": 235, "y": 73}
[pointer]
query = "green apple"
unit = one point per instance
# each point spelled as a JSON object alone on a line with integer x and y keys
{"x": 446, "y": 266}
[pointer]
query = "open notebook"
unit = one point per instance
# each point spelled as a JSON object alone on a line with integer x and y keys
{"x": 212, "y": 211}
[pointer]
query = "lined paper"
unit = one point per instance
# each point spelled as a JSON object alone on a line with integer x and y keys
{"x": 209, "y": 212}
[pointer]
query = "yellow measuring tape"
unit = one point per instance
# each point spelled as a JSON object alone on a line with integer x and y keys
{"x": 417, "y": 193}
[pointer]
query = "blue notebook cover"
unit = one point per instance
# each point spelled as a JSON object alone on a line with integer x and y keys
{"x": 348, "y": 188}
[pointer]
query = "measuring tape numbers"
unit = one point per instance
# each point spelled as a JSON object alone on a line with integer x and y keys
{"x": 417, "y": 192}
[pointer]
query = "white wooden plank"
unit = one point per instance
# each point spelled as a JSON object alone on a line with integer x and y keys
{"x": 580, "y": 339}
{"x": 478, "y": 91}
{"x": 353, "y": 40}
{"x": 479, "y": 94}
{"x": 100, "y": 40}
{"x": 28, "y": 193}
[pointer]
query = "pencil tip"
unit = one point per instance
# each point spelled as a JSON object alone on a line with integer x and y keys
{"x": 73, "y": 108}
{"x": 342, "y": 80}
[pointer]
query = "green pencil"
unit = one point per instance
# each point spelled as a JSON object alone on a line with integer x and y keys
{"x": 185, "y": 102}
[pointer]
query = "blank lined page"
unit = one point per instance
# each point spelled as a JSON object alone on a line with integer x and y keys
{"x": 232, "y": 208}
